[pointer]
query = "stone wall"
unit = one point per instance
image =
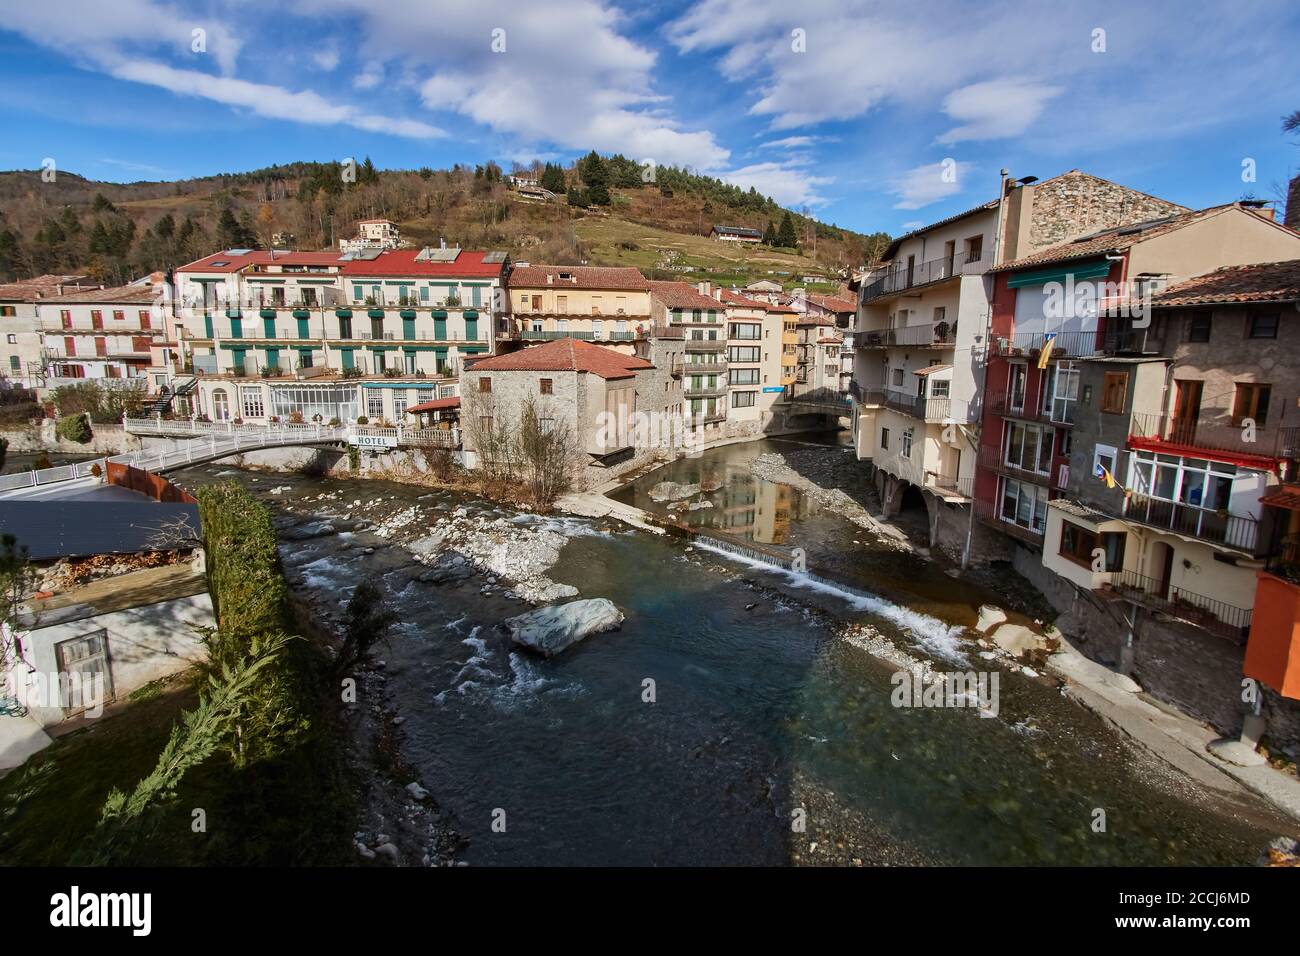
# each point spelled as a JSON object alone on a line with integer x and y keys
{"x": 1187, "y": 667}
{"x": 1075, "y": 204}
{"x": 107, "y": 440}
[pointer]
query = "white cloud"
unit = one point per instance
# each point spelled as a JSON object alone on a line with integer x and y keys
{"x": 995, "y": 109}
{"x": 788, "y": 183}
{"x": 111, "y": 38}
{"x": 326, "y": 58}
{"x": 565, "y": 75}
{"x": 928, "y": 184}
{"x": 369, "y": 78}
{"x": 789, "y": 142}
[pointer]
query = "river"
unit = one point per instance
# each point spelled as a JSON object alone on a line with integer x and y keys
{"x": 730, "y": 720}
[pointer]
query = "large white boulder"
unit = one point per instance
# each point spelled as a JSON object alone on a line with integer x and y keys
{"x": 549, "y": 630}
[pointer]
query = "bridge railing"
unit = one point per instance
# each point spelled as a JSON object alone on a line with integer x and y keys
{"x": 184, "y": 427}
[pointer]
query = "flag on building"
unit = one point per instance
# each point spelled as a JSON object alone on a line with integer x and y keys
{"x": 1046, "y": 354}
{"x": 1104, "y": 474}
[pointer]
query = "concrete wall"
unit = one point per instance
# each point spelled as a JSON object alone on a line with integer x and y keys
{"x": 1231, "y": 237}
{"x": 144, "y": 644}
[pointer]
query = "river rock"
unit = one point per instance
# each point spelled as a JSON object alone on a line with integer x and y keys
{"x": 672, "y": 491}
{"x": 549, "y": 630}
{"x": 1017, "y": 640}
{"x": 990, "y": 617}
{"x": 312, "y": 529}
{"x": 416, "y": 791}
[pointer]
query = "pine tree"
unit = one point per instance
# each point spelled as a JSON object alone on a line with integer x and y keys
{"x": 595, "y": 174}
{"x": 552, "y": 179}
{"x": 769, "y": 235}
{"x": 577, "y": 198}
{"x": 785, "y": 236}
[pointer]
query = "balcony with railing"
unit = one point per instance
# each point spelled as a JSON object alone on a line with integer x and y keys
{"x": 706, "y": 345}
{"x": 1063, "y": 344}
{"x": 1060, "y": 414}
{"x": 990, "y": 513}
{"x": 927, "y": 335}
{"x": 922, "y": 408}
{"x": 704, "y": 368}
{"x": 1217, "y": 527}
{"x": 900, "y": 277}
{"x": 994, "y": 459}
{"x": 1209, "y": 614}
{"x": 1221, "y": 434}
{"x": 705, "y": 391}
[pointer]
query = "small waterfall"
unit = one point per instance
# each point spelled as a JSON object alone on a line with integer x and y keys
{"x": 764, "y": 553}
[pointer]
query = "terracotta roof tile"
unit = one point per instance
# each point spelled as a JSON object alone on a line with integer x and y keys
{"x": 1262, "y": 282}
{"x": 682, "y": 295}
{"x": 578, "y": 277}
{"x": 565, "y": 355}
{"x": 121, "y": 295}
{"x": 403, "y": 262}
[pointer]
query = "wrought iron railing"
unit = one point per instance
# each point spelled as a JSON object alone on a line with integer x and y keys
{"x": 1219, "y": 434}
{"x": 1210, "y": 614}
{"x": 1217, "y": 527}
{"x": 901, "y": 276}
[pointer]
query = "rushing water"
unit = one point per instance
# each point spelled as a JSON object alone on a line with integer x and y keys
{"x": 761, "y": 712}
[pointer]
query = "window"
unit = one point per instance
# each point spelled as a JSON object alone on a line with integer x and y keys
{"x": 400, "y": 403}
{"x": 374, "y": 403}
{"x": 220, "y": 405}
{"x": 250, "y": 398}
{"x": 1024, "y": 504}
{"x": 907, "y": 443}
{"x": 1063, "y": 393}
{"x": 1103, "y": 456}
{"x": 547, "y": 386}
{"x": 145, "y": 320}
{"x": 1198, "y": 327}
{"x": 119, "y": 315}
{"x": 939, "y": 387}
{"x": 14, "y": 363}
{"x": 1029, "y": 447}
{"x": 897, "y": 377}
{"x": 13, "y": 339}
{"x": 745, "y": 331}
{"x": 1251, "y": 401}
{"x": 8, "y": 311}
{"x": 1016, "y": 388}
{"x": 484, "y": 384}
{"x": 744, "y": 376}
{"x": 1263, "y": 325}
{"x": 1079, "y": 545}
{"x": 743, "y": 399}
{"x": 744, "y": 353}
{"x": 1114, "y": 393}
{"x": 884, "y": 438}
{"x": 423, "y": 395}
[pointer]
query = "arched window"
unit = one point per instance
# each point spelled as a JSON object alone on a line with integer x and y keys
{"x": 220, "y": 405}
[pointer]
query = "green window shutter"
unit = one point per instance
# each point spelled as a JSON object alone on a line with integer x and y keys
{"x": 471, "y": 329}
{"x": 303, "y": 331}
{"x": 408, "y": 328}
{"x": 440, "y": 328}
{"x": 268, "y": 328}
{"x": 273, "y": 357}
{"x": 236, "y": 328}
{"x": 237, "y": 358}
{"x": 348, "y": 360}
{"x": 207, "y": 326}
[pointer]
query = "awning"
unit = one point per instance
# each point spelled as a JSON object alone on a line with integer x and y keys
{"x": 1287, "y": 497}
{"x": 437, "y": 405}
{"x": 931, "y": 369}
{"x": 1093, "y": 269}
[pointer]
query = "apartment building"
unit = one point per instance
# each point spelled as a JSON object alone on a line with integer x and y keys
{"x": 108, "y": 335}
{"x": 818, "y": 345}
{"x": 701, "y": 321}
{"x": 320, "y": 337}
{"x": 922, "y": 335}
{"x": 1183, "y": 531}
{"x": 592, "y": 303}
{"x": 23, "y": 359}
{"x": 755, "y": 349}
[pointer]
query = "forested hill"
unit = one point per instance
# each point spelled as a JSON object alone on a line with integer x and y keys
{"x": 608, "y": 211}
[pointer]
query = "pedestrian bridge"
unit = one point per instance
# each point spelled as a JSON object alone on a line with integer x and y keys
{"x": 210, "y": 441}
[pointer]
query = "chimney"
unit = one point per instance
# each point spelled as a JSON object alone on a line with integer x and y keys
{"x": 705, "y": 288}
{"x": 1293, "y": 204}
{"x": 442, "y": 243}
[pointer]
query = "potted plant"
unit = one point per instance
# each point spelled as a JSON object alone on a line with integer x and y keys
{"x": 363, "y": 420}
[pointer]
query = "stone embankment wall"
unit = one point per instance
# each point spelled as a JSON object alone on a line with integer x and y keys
{"x": 1198, "y": 672}
{"x": 107, "y": 440}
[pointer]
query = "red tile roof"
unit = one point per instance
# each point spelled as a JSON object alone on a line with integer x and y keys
{"x": 682, "y": 295}
{"x": 121, "y": 295}
{"x": 437, "y": 405}
{"x": 402, "y": 262}
{"x": 565, "y": 355}
{"x": 40, "y": 287}
{"x": 580, "y": 277}
{"x": 735, "y": 298}
{"x": 834, "y": 303}
{"x": 1262, "y": 282}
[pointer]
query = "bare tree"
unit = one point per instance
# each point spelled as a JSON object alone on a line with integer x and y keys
{"x": 492, "y": 437}
{"x": 547, "y": 452}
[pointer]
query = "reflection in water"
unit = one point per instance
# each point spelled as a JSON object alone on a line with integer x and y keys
{"x": 760, "y": 708}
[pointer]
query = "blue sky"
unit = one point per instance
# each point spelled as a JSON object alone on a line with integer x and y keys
{"x": 852, "y": 108}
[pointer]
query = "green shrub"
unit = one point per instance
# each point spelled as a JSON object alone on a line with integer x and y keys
{"x": 74, "y": 428}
